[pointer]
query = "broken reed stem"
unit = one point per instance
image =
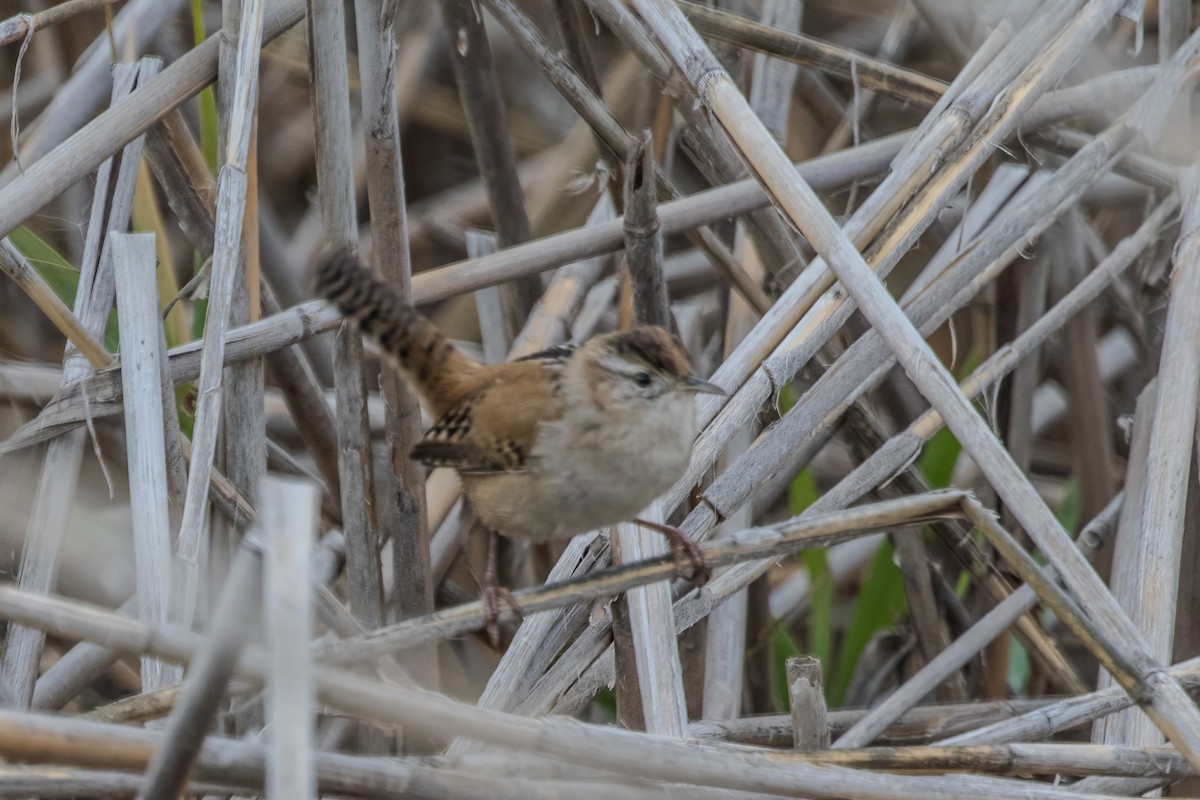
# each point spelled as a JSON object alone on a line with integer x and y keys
{"x": 806, "y": 691}
{"x": 290, "y": 519}
{"x": 142, "y": 345}
{"x": 479, "y": 95}
{"x": 643, "y": 238}
{"x": 706, "y": 147}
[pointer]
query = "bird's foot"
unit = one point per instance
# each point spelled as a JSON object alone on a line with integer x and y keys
{"x": 494, "y": 593}
{"x": 690, "y": 563}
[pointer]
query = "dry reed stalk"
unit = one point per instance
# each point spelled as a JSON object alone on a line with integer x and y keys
{"x": 335, "y": 162}
{"x": 1167, "y": 469}
{"x": 489, "y": 304}
{"x": 227, "y": 250}
{"x": 19, "y": 26}
{"x": 874, "y": 74}
{"x": 643, "y": 237}
{"x": 206, "y": 680}
{"x": 402, "y": 508}
{"x": 917, "y": 726}
{"x": 479, "y": 94}
{"x": 806, "y": 690}
{"x": 242, "y": 442}
{"x": 1012, "y": 759}
{"x": 725, "y": 634}
{"x": 1067, "y": 712}
{"x": 290, "y": 519}
{"x": 142, "y": 345}
{"x": 774, "y": 539}
{"x": 1127, "y": 571}
{"x": 652, "y": 644}
{"x": 41, "y": 738}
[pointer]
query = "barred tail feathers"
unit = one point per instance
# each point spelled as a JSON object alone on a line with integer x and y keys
{"x": 403, "y": 334}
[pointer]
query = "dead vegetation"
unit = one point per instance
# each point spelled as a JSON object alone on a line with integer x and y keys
{"x": 952, "y": 504}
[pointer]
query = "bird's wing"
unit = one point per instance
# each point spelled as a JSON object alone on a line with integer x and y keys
{"x": 556, "y": 354}
{"x": 495, "y": 429}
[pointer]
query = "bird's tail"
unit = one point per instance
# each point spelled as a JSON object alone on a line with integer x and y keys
{"x": 410, "y": 341}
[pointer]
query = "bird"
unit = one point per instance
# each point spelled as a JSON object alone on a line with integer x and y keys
{"x": 568, "y": 440}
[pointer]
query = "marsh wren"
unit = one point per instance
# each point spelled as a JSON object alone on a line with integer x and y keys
{"x": 555, "y": 444}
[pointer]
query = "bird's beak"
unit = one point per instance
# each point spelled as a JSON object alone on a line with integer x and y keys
{"x": 694, "y": 384}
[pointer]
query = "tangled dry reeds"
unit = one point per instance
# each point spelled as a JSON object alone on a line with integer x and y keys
{"x": 942, "y": 253}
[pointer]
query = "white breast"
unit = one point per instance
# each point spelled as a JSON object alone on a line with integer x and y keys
{"x": 606, "y": 469}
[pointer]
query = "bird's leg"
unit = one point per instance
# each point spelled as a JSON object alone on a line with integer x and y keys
{"x": 494, "y": 593}
{"x": 690, "y": 563}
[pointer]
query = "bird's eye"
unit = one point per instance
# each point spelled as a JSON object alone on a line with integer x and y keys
{"x": 642, "y": 379}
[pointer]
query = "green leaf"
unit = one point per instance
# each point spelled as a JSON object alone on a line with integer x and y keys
{"x": 938, "y": 458}
{"x": 55, "y": 270}
{"x": 783, "y": 647}
{"x": 802, "y": 491}
{"x": 880, "y": 601}
{"x": 199, "y": 313}
{"x": 1018, "y": 666}
{"x": 607, "y": 700}
{"x": 207, "y": 100}
{"x": 1069, "y": 509}
{"x": 186, "y": 420}
{"x": 59, "y": 274}
{"x": 820, "y": 607}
